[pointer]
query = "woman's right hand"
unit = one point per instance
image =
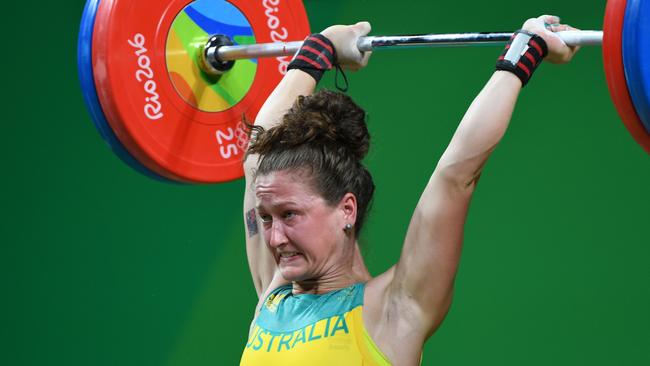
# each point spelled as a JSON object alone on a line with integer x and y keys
{"x": 344, "y": 38}
{"x": 545, "y": 26}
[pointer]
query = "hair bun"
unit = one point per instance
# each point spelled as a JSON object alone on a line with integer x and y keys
{"x": 328, "y": 118}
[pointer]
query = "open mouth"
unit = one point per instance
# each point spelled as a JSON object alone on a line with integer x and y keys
{"x": 286, "y": 257}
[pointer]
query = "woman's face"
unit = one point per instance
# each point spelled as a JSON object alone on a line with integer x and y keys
{"x": 304, "y": 233}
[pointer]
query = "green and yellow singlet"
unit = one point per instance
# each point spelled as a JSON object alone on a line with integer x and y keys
{"x": 313, "y": 330}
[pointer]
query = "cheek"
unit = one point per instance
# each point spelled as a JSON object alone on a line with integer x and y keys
{"x": 314, "y": 234}
{"x": 316, "y": 239}
{"x": 304, "y": 237}
{"x": 320, "y": 229}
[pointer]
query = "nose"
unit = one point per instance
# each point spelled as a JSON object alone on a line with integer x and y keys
{"x": 278, "y": 236}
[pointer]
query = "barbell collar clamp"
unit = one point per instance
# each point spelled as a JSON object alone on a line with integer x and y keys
{"x": 210, "y": 62}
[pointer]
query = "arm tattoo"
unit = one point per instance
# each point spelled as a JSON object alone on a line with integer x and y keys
{"x": 251, "y": 223}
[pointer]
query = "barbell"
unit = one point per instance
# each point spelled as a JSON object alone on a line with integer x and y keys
{"x": 167, "y": 82}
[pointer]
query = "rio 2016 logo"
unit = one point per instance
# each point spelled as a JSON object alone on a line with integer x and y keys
{"x": 152, "y": 107}
{"x": 278, "y": 33}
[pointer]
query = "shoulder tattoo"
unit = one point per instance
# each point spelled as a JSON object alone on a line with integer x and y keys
{"x": 251, "y": 223}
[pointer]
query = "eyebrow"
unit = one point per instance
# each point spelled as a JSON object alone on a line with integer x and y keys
{"x": 283, "y": 203}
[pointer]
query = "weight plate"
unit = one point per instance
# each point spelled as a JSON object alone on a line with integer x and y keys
{"x": 614, "y": 71}
{"x": 176, "y": 120}
{"x": 636, "y": 54}
{"x": 84, "y": 64}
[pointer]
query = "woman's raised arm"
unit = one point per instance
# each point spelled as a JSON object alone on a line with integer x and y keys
{"x": 260, "y": 260}
{"x": 294, "y": 84}
{"x": 421, "y": 283}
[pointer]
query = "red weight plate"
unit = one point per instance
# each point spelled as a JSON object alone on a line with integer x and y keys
{"x": 173, "y": 118}
{"x": 614, "y": 71}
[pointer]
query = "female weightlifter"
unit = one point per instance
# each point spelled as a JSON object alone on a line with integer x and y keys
{"x": 307, "y": 196}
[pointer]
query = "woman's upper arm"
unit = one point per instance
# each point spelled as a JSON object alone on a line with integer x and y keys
{"x": 424, "y": 275}
{"x": 260, "y": 261}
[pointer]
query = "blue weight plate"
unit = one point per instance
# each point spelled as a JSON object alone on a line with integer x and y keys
{"x": 636, "y": 56}
{"x": 87, "y": 80}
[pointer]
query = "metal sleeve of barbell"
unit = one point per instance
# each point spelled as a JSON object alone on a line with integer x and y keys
{"x": 571, "y": 38}
{"x": 227, "y": 53}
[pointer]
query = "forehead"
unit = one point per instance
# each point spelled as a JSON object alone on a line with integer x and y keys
{"x": 282, "y": 187}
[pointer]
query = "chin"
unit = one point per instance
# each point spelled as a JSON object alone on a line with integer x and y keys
{"x": 293, "y": 274}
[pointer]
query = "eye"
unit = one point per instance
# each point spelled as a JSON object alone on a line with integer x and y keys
{"x": 266, "y": 218}
{"x": 289, "y": 214}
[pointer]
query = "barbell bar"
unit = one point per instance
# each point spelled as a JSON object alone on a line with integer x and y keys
{"x": 142, "y": 67}
{"x": 217, "y": 53}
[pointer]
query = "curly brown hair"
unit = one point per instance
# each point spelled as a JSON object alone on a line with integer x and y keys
{"x": 325, "y": 135}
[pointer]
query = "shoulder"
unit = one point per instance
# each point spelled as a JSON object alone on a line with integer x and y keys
{"x": 375, "y": 298}
{"x": 276, "y": 289}
{"x": 277, "y": 285}
{"x": 387, "y": 304}
{"x": 376, "y": 288}
{"x": 392, "y": 320}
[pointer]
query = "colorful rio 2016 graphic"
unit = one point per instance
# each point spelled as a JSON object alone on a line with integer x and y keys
{"x": 190, "y": 30}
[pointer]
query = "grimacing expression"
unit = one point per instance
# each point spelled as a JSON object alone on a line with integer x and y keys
{"x": 302, "y": 231}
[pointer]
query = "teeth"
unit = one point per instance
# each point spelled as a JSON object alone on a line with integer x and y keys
{"x": 288, "y": 254}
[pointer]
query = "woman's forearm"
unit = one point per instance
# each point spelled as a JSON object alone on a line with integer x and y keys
{"x": 481, "y": 129}
{"x": 294, "y": 84}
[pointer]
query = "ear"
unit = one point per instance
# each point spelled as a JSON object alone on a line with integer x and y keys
{"x": 348, "y": 207}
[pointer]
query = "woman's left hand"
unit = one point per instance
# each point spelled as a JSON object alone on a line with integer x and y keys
{"x": 545, "y": 26}
{"x": 344, "y": 38}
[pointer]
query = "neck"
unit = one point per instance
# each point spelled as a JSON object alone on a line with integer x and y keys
{"x": 354, "y": 271}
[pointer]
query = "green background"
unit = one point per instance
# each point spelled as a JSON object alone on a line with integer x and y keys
{"x": 103, "y": 266}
